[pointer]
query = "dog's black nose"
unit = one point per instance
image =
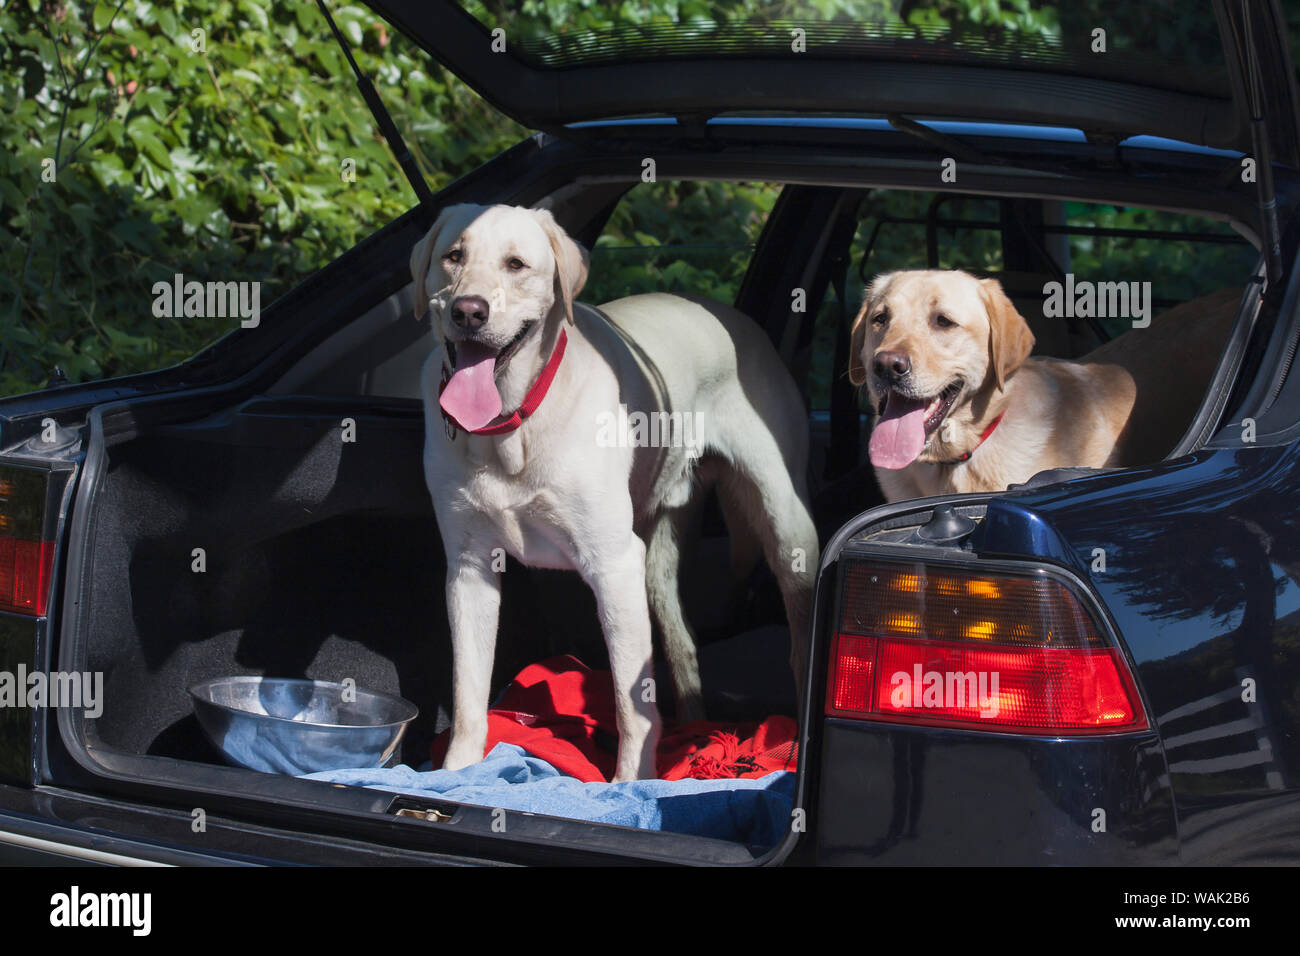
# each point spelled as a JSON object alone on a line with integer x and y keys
{"x": 892, "y": 365}
{"x": 469, "y": 311}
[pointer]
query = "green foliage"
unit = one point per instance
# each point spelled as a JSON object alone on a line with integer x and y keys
{"x": 218, "y": 154}
{"x": 544, "y": 25}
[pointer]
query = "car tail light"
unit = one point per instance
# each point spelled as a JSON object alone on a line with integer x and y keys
{"x": 945, "y": 646}
{"x": 26, "y": 553}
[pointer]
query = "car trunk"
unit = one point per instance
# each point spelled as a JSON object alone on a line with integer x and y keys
{"x": 256, "y": 540}
{"x": 311, "y": 565}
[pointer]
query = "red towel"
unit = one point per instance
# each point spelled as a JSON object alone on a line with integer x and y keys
{"x": 563, "y": 712}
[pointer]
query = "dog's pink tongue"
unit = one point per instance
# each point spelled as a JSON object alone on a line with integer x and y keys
{"x": 899, "y": 435}
{"x": 471, "y": 395}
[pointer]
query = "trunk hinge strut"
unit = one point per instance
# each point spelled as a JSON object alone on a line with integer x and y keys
{"x": 385, "y": 121}
{"x": 1265, "y": 196}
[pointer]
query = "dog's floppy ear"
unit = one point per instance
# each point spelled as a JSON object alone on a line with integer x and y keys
{"x": 858, "y": 336}
{"x": 420, "y": 257}
{"x": 1010, "y": 340}
{"x": 570, "y": 261}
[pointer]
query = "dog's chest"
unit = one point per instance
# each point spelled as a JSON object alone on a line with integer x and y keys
{"x": 530, "y": 523}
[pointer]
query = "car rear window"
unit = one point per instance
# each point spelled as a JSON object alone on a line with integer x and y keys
{"x": 1172, "y": 44}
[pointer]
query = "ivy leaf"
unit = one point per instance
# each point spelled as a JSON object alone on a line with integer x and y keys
{"x": 151, "y": 146}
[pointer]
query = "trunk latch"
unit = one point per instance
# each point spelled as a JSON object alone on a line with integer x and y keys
{"x": 432, "y": 816}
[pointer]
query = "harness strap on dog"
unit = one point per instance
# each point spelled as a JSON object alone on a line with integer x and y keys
{"x": 987, "y": 432}
{"x": 532, "y": 401}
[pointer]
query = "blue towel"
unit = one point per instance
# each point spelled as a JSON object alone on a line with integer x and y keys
{"x": 751, "y": 811}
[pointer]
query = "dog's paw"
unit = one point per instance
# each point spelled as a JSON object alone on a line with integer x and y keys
{"x": 633, "y": 769}
{"x": 460, "y": 756}
{"x": 641, "y": 773}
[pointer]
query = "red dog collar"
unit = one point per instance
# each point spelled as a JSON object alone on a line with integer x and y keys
{"x": 532, "y": 400}
{"x": 987, "y": 432}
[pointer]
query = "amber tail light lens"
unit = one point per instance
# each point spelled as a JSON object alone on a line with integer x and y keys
{"x": 1010, "y": 653}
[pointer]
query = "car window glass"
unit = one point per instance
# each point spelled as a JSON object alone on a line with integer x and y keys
{"x": 1170, "y": 43}
{"x": 670, "y": 236}
{"x": 1182, "y": 256}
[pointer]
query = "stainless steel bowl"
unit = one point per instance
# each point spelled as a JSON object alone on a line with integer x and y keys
{"x": 281, "y": 725}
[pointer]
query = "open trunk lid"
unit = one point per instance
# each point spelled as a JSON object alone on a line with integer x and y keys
{"x": 1198, "y": 72}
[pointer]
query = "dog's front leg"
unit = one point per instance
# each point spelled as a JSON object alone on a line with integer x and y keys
{"x": 473, "y": 610}
{"x": 619, "y": 585}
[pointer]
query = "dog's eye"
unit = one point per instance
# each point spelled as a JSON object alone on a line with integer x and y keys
{"x": 943, "y": 321}
{"x": 454, "y": 255}
{"x": 514, "y": 264}
{"x": 880, "y": 318}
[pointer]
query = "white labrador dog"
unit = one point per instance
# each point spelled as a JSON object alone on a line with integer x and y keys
{"x": 613, "y": 423}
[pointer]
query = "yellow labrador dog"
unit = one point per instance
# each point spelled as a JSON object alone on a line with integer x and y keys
{"x": 580, "y": 439}
{"x": 961, "y": 407}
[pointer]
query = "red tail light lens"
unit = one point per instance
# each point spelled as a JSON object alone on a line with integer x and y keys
{"x": 1008, "y": 653}
{"x": 25, "y": 575}
{"x": 853, "y": 676}
{"x": 26, "y": 558}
